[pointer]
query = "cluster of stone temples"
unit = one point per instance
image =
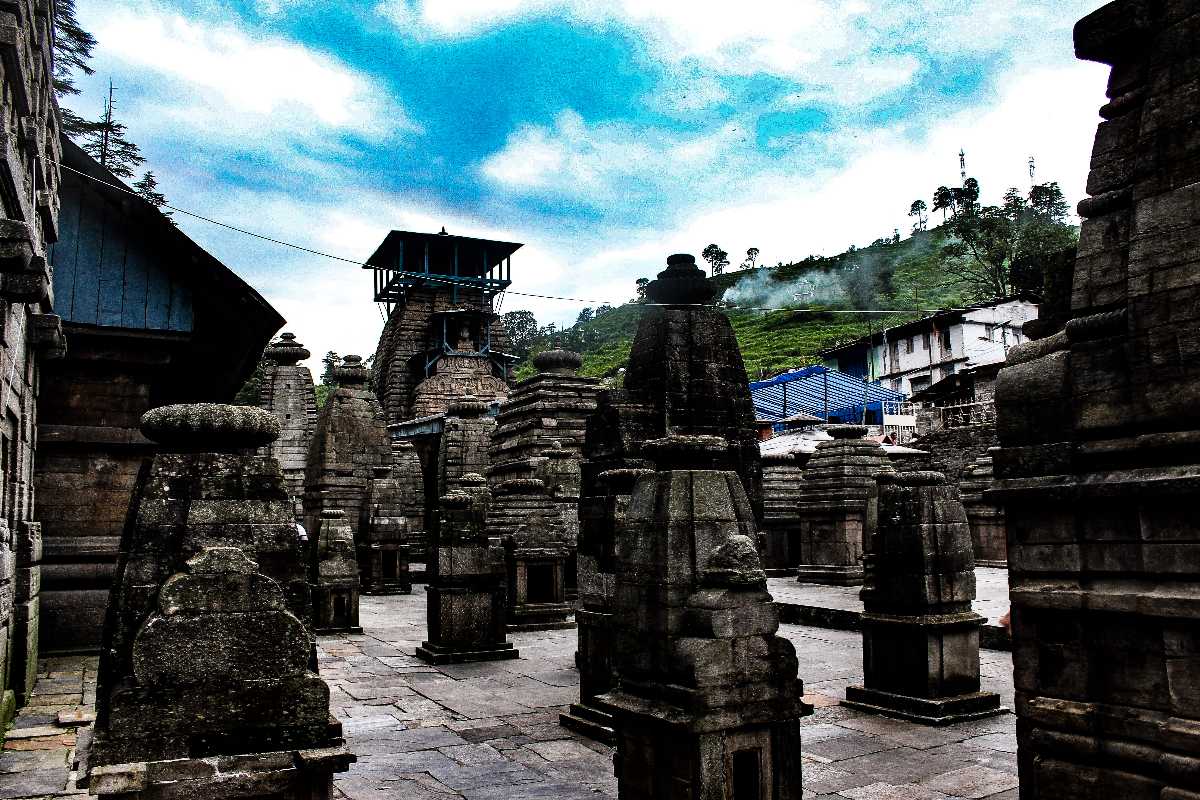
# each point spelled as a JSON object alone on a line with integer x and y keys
{"x": 201, "y": 547}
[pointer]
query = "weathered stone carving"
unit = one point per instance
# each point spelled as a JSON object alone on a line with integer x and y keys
{"x": 349, "y": 443}
{"x": 205, "y": 687}
{"x": 288, "y": 393}
{"x": 466, "y": 606}
{"x": 988, "y": 532}
{"x": 839, "y": 506}
{"x": 920, "y": 636}
{"x": 334, "y": 574}
{"x": 707, "y": 703}
{"x": 1098, "y": 463}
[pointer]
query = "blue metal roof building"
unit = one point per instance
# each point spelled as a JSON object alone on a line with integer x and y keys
{"x": 822, "y": 392}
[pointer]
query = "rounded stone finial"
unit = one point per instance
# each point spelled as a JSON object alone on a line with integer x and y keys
{"x": 520, "y": 486}
{"x": 455, "y": 500}
{"x": 333, "y": 513}
{"x": 846, "y": 431}
{"x": 467, "y": 406}
{"x": 681, "y": 283}
{"x": 286, "y": 352}
{"x": 472, "y": 479}
{"x": 558, "y": 361}
{"x": 210, "y": 427}
{"x": 350, "y": 372}
{"x": 918, "y": 478}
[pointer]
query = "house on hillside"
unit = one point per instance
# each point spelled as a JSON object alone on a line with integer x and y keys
{"x": 909, "y": 358}
{"x": 150, "y": 318}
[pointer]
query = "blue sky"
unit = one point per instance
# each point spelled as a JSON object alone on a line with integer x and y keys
{"x": 604, "y": 135}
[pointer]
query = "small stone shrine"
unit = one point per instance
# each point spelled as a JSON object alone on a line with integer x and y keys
{"x": 989, "y": 535}
{"x": 1099, "y": 460}
{"x": 839, "y": 506}
{"x": 383, "y": 549}
{"x": 783, "y": 492}
{"x": 920, "y": 636}
{"x": 287, "y": 392}
{"x": 535, "y": 455}
{"x": 350, "y": 441}
{"x": 707, "y": 703}
{"x": 334, "y": 575}
{"x": 205, "y": 686}
{"x": 466, "y": 604}
{"x": 409, "y": 475}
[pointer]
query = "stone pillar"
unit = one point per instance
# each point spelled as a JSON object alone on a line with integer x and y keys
{"x": 1098, "y": 467}
{"x": 466, "y": 605}
{"x": 839, "y": 507}
{"x": 463, "y": 449}
{"x": 287, "y": 392}
{"x": 350, "y": 441}
{"x": 989, "y": 535}
{"x": 334, "y": 575}
{"x": 920, "y": 636}
{"x": 383, "y": 549}
{"x": 205, "y": 686}
{"x": 707, "y": 703}
{"x": 783, "y": 492}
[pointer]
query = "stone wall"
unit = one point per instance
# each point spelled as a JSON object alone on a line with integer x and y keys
{"x": 29, "y": 331}
{"x": 1098, "y": 458}
{"x": 952, "y": 450}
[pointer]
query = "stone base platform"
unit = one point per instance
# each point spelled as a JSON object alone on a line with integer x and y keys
{"x": 353, "y": 629}
{"x": 829, "y": 576}
{"x": 555, "y": 625}
{"x": 432, "y": 653}
{"x": 591, "y": 721}
{"x": 942, "y": 711}
{"x": 284, "y": 775}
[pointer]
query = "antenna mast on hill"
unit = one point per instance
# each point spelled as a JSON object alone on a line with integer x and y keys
{"x": 1032, "y": 169}
{"x": 962, "y": 165}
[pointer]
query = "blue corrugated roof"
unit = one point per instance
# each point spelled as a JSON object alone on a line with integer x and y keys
{"x": 819, "y": 391}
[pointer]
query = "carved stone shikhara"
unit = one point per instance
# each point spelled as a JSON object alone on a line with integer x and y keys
{"x": 920, "y": 636}
{"x": 706, "y": 696}
{"x": 334, "y": 575}
{"x": 205, "y": 686}
{"x": 838, "y": 509}
{"x": 1098, "y": 463}
{"x": 289, "y": 394}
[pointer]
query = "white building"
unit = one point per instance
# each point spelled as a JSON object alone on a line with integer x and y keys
{"x": 912, "y": 356}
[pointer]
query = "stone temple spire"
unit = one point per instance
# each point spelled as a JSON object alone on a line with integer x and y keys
{"x": 288, "y": 393}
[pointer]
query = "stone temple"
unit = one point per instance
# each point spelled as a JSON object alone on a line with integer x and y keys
{"x": 376, "y": 600}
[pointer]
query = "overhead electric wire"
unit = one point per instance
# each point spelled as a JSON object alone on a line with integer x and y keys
{"x": 430, "y": 278}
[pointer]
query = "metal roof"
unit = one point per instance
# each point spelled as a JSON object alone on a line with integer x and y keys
{"x": 816, "y": 390}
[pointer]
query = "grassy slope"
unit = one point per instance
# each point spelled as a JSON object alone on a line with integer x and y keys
{"x": 772, "y": 342}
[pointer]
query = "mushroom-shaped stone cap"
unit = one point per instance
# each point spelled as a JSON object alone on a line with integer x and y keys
{"x": 846, "y": 431}
{"x": 621, "y": 481}
{"x": 922, "y": 478}
{"x": 350, "y": 372}
{"x": 558, "y": 361}
{"x": 210, "y": 427}
{"x": 333, "y": 513}
{"x": 520, "y": 486}
{"x": 681, "y": 283}
{"x": 467, "y": 406}
{"x": 286, "y": 351}
{"x": 688, "y": 452}
{"x": 472, "y": 479}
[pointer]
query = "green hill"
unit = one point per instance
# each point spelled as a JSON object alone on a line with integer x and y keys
{"x": 803, "y": 299}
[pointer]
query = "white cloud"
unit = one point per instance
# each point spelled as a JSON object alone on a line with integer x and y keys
{"x": 221, "y": 79}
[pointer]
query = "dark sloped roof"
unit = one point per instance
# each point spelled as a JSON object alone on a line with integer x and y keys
{"x": 807, "y": 390}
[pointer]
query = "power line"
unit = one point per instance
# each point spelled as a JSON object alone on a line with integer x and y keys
{"x": 449, "y": 281}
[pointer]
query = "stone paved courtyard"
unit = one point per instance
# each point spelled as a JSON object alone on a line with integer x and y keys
{"x": 483, "y": 731}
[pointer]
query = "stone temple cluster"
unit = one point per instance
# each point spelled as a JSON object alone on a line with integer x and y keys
{"x": 206, "y": 552}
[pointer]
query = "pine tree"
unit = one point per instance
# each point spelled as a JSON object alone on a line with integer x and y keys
{"x": 72, "y": 49}
{"x": 107, "y": 144}
{"x": 147, "y": 187}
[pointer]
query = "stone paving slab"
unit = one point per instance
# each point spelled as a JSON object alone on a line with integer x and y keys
{"x": 839, "y": 607}
{"x": 490, "y": 731}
